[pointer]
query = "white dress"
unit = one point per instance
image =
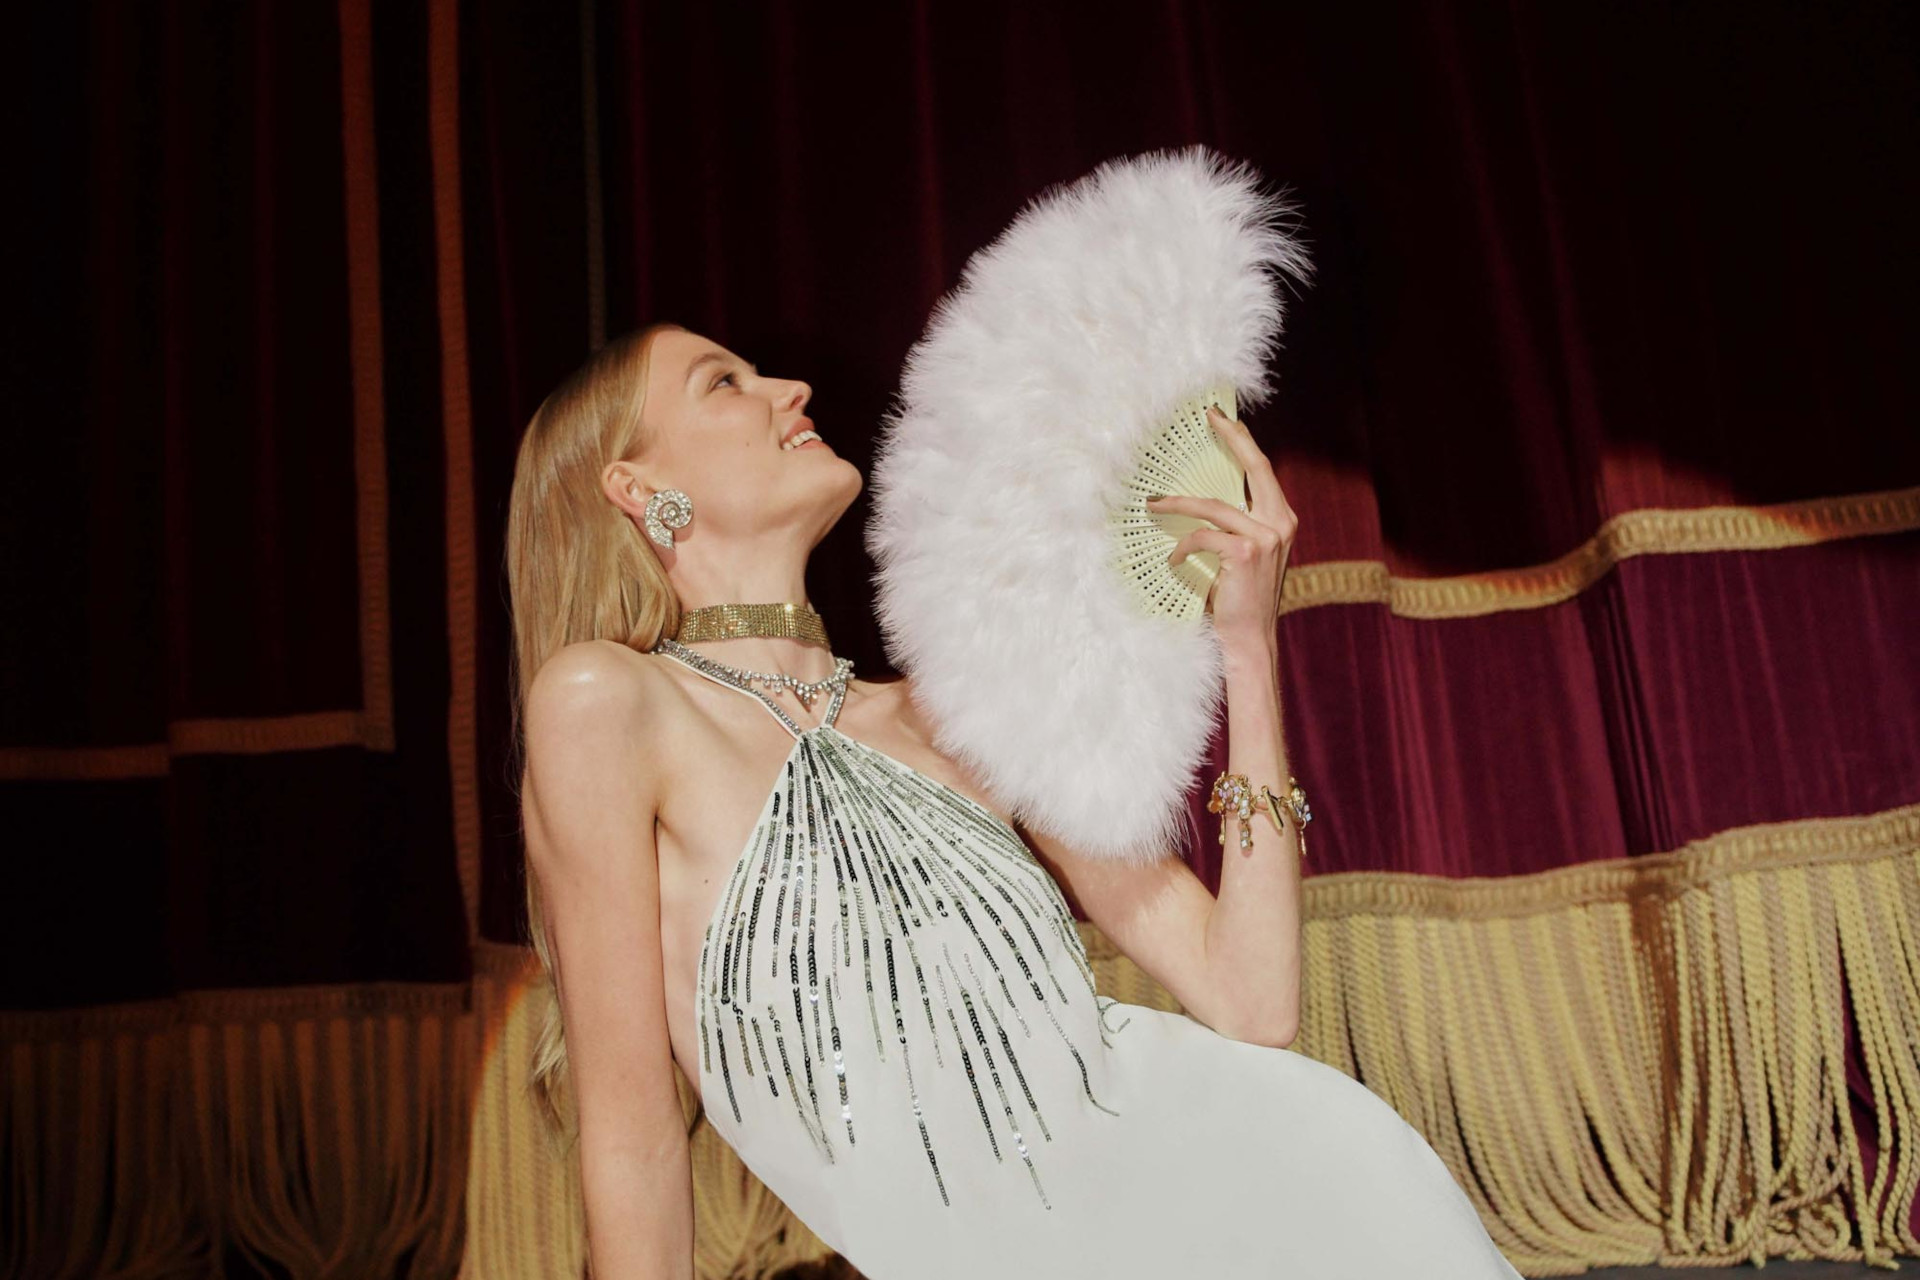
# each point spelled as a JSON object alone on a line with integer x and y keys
{"x": 899, "y": 1035}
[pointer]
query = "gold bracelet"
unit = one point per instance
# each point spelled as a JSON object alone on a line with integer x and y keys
{"x": 1233, "y": 793}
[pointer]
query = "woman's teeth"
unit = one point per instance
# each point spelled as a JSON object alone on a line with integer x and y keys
{"x": 800, "y": 439}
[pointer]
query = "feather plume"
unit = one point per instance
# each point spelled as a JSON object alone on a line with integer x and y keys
{"x": 1065, "y": 347}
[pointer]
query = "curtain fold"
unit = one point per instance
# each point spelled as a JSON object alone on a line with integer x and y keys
{"x": 306, "y": 1131}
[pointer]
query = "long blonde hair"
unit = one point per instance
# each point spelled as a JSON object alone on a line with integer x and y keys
{"x": 577, "y": 569}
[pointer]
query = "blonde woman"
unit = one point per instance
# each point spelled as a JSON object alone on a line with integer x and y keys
{"x": 748, "y": 862}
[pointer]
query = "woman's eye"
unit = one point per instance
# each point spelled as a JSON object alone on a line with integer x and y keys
{"x": 725, "y": 377}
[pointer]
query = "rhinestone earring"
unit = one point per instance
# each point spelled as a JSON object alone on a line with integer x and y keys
{"x": 667, "y": 510}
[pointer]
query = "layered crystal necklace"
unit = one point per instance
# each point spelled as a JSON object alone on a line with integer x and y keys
{"x": 731, "y": 621}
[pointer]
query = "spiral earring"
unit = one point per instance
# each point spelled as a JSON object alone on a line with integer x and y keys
{"x": 667, "y": 510}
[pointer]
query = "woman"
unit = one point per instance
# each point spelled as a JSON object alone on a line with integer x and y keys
{"x": 749, "y": 863}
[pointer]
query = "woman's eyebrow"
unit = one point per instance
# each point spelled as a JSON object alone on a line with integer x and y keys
{"x": 715, "y": 357}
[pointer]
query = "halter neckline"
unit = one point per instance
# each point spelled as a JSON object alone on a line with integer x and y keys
{"x": 722, "y": 674}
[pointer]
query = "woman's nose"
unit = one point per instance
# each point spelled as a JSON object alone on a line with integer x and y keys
{"x": 798, "y": 396}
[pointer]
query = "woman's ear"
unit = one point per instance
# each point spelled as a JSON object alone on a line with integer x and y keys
{"x": 625, "y": 489}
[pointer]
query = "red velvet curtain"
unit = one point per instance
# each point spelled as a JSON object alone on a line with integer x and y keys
{"x": 1576, "y": 263}
{"x": 288, "y": 281}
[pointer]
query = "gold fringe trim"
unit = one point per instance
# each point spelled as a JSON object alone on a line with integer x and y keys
{"x": 1653, "y": 531}
{"x": 1652, "y": 1072}
{"x": 525, "y": 1215}
{"x": 1634, "y": 1062}
{"x": 1697, "y": 863}
{"x": 1624, "y": 1063}
{"x": 308, "y": 1138}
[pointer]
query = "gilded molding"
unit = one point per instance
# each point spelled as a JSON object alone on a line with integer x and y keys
{"x": 1654, "y": 531}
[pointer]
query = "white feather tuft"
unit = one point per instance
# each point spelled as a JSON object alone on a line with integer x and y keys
{"x": 1066, "y": 346}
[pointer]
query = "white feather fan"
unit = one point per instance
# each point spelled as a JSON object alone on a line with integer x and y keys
{"x": 1067, "y": 346}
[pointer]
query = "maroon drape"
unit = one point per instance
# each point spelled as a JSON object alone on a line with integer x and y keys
{"x": 1574, "y": 262}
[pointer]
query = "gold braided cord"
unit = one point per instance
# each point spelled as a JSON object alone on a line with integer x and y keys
{"x": 1693, "y": 865}
{"x": 525, "y": 1214}
{"x": 325, "y": 1130}
{"x": 731, "y": 621}
{"x": 1654, "y": 531}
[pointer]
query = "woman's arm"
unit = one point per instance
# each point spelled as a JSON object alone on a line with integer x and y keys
{"x": 1232, "y": 962}
{"x": 1253, "y": 931}
{"x": 590, "y": 800}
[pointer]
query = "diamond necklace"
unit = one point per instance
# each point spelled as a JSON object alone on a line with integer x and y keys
{"x": 774, "y": 681}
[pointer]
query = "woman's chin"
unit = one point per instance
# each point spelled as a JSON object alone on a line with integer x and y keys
{"x": 850, "y": 482}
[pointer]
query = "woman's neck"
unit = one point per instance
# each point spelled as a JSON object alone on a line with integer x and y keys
{"x": 754, "y": 579}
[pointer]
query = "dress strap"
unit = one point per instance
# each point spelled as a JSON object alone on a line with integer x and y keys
{"x": 701, "y": 665}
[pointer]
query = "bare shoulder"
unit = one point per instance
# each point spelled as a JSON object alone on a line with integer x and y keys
{"x": 598, "y": 685}
{"x": 592, "y": 712}
{"x": 592, "y": 677}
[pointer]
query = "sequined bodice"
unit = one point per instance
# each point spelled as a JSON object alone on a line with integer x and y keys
{"x": 899, "y": 1036}
{"x": 888, "y": 957}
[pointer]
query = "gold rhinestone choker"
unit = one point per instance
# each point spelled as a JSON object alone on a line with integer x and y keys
{"x": 732, "y": 621}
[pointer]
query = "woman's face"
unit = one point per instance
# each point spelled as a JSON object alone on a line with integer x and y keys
{"x": 717, "y": 424}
